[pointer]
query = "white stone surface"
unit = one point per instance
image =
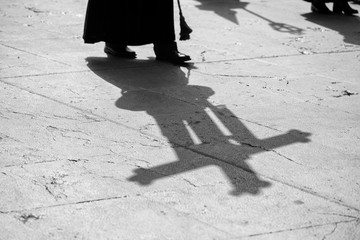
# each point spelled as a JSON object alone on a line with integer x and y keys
{"x": 258, "y": 138}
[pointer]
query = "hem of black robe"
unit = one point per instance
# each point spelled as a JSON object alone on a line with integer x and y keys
{"x": 92, "y": 40}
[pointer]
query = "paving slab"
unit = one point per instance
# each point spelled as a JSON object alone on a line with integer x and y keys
{"x": 257, "y": 138}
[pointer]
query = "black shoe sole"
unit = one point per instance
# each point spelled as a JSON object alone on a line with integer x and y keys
{"x": 174, "y": 60}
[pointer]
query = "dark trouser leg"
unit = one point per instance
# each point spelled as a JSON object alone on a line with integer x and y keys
{"x": 165, "y": 47}
{"x": 342, "y": 6}
{"x": 164, "y": 20}
{"x": 319, "y": 6}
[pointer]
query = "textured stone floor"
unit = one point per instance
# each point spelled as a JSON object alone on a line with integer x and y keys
{"x": 257, "y": 138}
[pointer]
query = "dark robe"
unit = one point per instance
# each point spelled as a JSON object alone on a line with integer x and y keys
{"x": 129, "y": 22}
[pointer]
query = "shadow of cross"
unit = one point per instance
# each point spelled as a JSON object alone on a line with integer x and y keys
{"x": 200, "y": 133}
{"x": 207, "y": 135}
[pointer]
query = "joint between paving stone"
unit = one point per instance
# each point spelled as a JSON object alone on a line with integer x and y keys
{"x": 233, "y": 75}
{"x": 330, "y": 233}
{"x": 44, "y": 74}
{"x": 68, "y": 204}
{"x": 276, "y": 56}
{"x": 37, "y": 55}
{"x": 300, "y": 228}
{"x": 313, "y": 193}
{"x": 342, "y": 215}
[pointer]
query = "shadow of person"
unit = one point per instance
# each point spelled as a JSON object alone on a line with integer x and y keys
{"x": 227, "y": 10}
{"x": 200, "y": 133}
{"x": 348, "y": 26}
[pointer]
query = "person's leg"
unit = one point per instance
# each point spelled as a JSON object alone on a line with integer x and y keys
{"x": 164, "y": 21}
{"x": 168, "y": 52}
{"x": 319, "y": 6}
{"x": 165, "y": 46}
{"x": 116, "y": 28}
{"x": 105, "y": 22}
{"x": 119, "y": 50}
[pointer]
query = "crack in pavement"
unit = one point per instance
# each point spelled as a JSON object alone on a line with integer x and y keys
{"x": 300, "y": 228}
{"x": 328, "y": 234}
{"x": 31, "y": 163}
{"x": 152, "y": 65}
{"x": 232, "y": 75}
{"x": 34, "y": 54}
{"x": 313, "y": 193}
{"x": 269, "y": 150}
{"x": 21, "y": 113}
{"x": 342, "y": 215}
{"x": 79, "y": 71}
{"x": 68, "y": 204}
{"x": 275, "y": 56}
{"x": 45, "y": 74}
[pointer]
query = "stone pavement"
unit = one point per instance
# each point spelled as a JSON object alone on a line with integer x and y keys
{"x": 258, "y": 138}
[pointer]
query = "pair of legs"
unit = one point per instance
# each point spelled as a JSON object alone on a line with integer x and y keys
{"x": 120, "y": 23}
{"x": 339, "y": 7}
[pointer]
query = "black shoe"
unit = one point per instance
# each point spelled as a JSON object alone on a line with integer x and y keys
{"x": 173, "y": 57}
{"x": 169, "y": 53}
{"x": 320, "y": 7}
{"x": 119, "y": 50}
{"x": 343, "y": 7}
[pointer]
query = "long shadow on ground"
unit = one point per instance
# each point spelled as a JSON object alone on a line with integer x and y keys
{"x": 192, "y": 125}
